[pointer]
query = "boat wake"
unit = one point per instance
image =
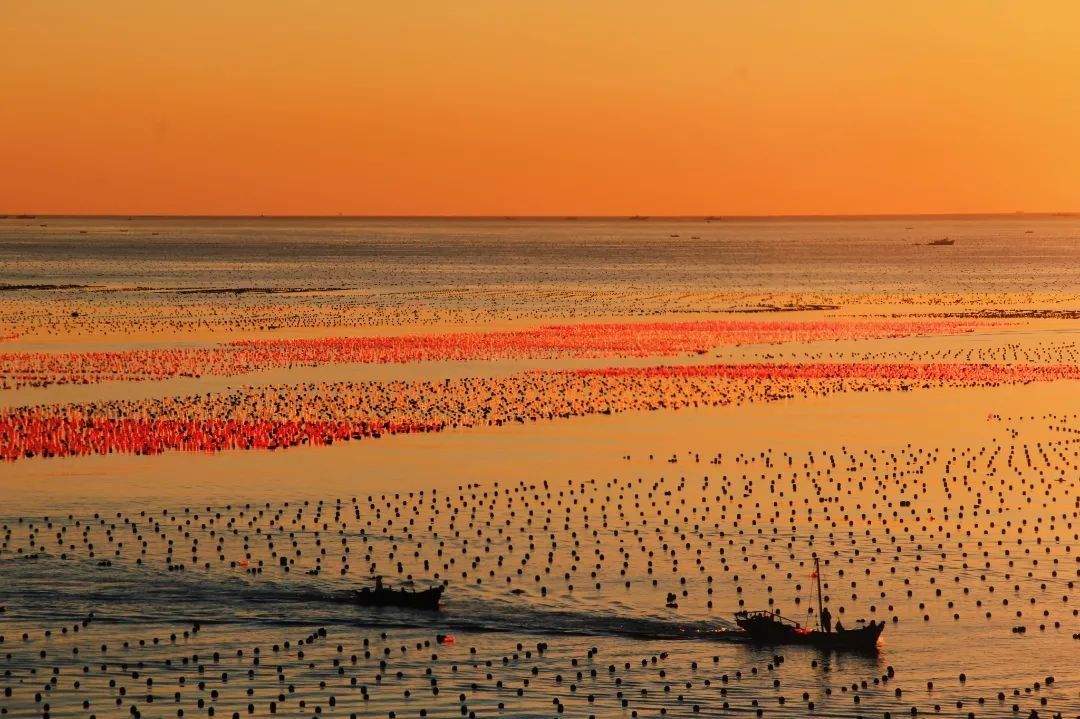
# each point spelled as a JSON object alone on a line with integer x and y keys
{"x": 123, "y": 594}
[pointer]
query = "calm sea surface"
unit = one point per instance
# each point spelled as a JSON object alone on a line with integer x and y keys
{"x": 188, "y": 585}
{"x": 990, "y": 255}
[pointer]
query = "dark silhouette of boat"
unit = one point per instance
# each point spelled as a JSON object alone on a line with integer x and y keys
{"x": 381, "y": 596}
{"x": 768, "y": 627}
{"x": 943, "y": 242}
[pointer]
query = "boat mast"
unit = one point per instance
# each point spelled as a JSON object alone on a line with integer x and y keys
{"x": 817, "y": 573}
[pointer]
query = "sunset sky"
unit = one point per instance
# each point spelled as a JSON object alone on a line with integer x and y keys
{"x": 514, "y": 107}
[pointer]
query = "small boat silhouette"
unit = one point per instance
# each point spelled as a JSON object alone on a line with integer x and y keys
{"x": 381, "y": 596}
{"x": 768, "y": 627}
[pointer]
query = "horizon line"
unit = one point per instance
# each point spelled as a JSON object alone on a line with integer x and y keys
{"x": 551, "y": 216}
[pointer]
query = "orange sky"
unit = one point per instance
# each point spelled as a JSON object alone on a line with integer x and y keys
{"x": 518, "y": 107}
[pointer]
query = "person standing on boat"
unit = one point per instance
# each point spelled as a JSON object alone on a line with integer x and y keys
{"x": 826, "y": 620}
{"x": 378, "y": 584}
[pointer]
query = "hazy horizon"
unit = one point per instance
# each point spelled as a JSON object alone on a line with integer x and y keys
{"x": 715, "y": 217}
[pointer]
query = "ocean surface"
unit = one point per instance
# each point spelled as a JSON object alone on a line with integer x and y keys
{"x": 993, "y": 254}
{"x": 189, "y": 584}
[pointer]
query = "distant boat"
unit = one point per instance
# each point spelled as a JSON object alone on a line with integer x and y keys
{"x": 638, "y": 217}
{"x": 25, "y": 217}
{"x": 769, "y": 627}
{"x": 943, "y": 242}
{"x": 382, "y": 596}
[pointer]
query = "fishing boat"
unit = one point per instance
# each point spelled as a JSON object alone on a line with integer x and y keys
{"x": 768, "y": 627}
{"x": 381, "y": 596}
{"x": 943, "y": 242}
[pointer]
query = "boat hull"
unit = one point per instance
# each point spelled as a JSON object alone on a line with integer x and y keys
{"x": 767, "y": 631}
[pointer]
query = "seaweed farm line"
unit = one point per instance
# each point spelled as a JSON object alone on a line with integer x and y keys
{"x": 282, "y": 417}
